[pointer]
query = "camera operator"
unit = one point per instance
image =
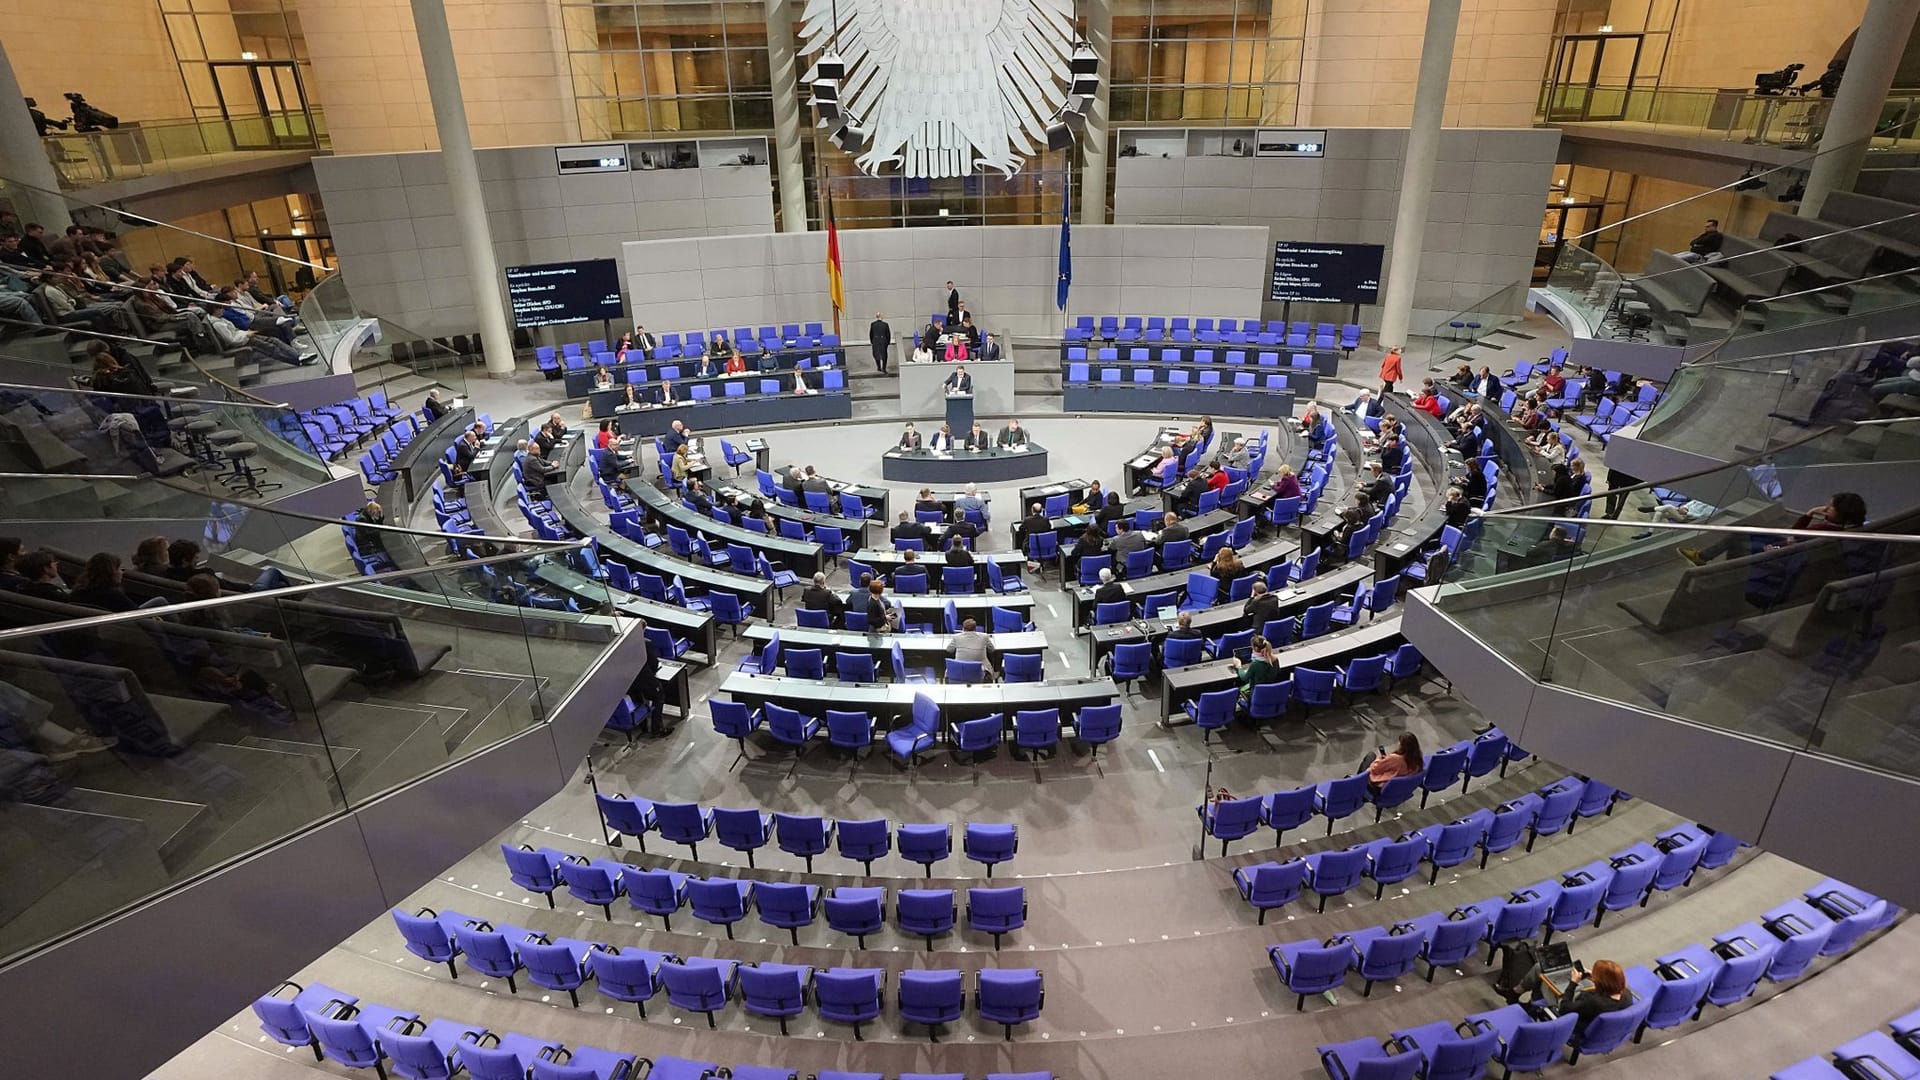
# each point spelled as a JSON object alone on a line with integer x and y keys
{"x": 42, "y": 122}
{"x": 88, "y": 118}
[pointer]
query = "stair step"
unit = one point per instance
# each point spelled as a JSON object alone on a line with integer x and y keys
{"x": 165, "y": 820}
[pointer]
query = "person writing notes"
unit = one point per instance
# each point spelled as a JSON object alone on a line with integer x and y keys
{"x": 978, "y": 439}
{"x": 909, "y": 439}
{"x": 1013, "y": 434}
{"x": 942, "y": 442}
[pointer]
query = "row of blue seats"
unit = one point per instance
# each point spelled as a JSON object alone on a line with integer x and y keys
{"x": 1231, "y": 819}
{"x": 1444, "y": 938}
{"x": 340, "y": 1027}
{"x": 737, "y": 386}
{"x": 1829, "y": 919}
{"x": 1034, "y": 730}
{"x": 1085, "y": 375}
{"x": 1184, "y": 360}
{"x": 1877, "y": 1055}
{"x": 746, "y": 339}
{"x": 800, "y": 835}
{"x": 333, "y": 428}
{"x": 721, "y": 901}
{"x": 1246, "y": 331}
{"x": 1305, "y": 686}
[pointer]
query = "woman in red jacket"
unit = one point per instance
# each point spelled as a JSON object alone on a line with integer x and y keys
{"x": 1389, "y": 370}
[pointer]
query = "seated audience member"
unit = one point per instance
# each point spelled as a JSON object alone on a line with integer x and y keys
{"x": 1559, "y": 485}
{"x": 1366, "y": 405}
{"x": 537, "y": 472}
{"x": 957, "y": 553}
{"x": 1486, "y": 384}
{"x": 880, "y": 614}
{"x": 1457, "y": 508}
{"x": 1126, "y": 540}
{"x": 1260, "y": 667}
{"x": 1378, "y": 485}
{"x": 1427, "y": 402}
{"x": 1382, "y": 766}
{"x": 1262, "y": 607}
{"x": 970, "y": 500}
{"x": 1607, "y": 993}
{"x": 1109, "y": 591}
{"x": 1226, "y": 566}
{"x": 1393, "y": 454}
{"x": 1183, "y": 629}
{"x": 817, "y": 597}
{"x": 970, "y": 644}
{"x": 1845, "y": 512}
{"x": 1553, "y": 382}
{"x": 244, "y": 688}
{"x": 1012, "y": 435}
{"x": 800, "y": 386}
{"x": 1172, "y": 529}
{"x": 11, "y": 579}
{"x": 1907, "y": 382}
{"x": 906, "y": 528}
{"x": 922, "y": 353}
{"x": 183, "y": 560}
{"x": 42, "y": 573}
{"x": 958, "y": 350}
{"x": 602, "y": 378}
{"x": 909, "y": 439}
{"x": 1035, "y": 522}
{"x": 1286, "y": 485}
{"x": 148, "y": 558}
{"x": 703, "y": 502}
{"x": 736, "y": 364}
{"x": 1092, "y": 541}
{"x": 961, "y": 528}
{"x": 100, "y": 584}
{"x": 1473, "y": 483}
{"x": 926, "y": 503}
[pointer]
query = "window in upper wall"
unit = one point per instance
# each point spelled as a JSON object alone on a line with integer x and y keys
{"x": 640, "y": 68}
{"x": 1226, "y": 61}
{"x": 244, "y": 66}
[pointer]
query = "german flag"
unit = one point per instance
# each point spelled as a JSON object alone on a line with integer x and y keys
{"x": 836, "y": 288}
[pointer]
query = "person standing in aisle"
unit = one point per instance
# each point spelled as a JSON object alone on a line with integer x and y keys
{"x": 953, "y": 305}
{"x": 881, "y": 335}
{"x": 1390, "y": 372}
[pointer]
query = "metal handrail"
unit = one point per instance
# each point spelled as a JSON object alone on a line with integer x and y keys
{"x": 263, "y": 405}
{"x": 1741, "y": 530}
{"x": 110, "y": 618}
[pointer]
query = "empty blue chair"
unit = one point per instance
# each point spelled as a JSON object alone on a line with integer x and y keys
{"x": 854, "y": 667}
{"x": 346, "y": 1033}
{"x": 1312, "y": 686}
{"x": 594, "y": 881}
{"x": 1673, "y": 996}
{"x": 1526, "y": 1044}
{"x": 1131, "y": 662}
{"x": 1009, "y": 996}
{"x": 791, "y": 727}
{"x": 858, "y": 911}
{"x": 775, "y": 991}
{"x": 1381, "y": 953}
{"x": 848, "y": 995}
{"x": 560, "y": 964}
{"x": 787, "y": 905}
{"x": 1632, "y": 880}
{"x": 429, "y": 1053}
{"x": 1450, "y": 1054}
{"x": 1332, "y": 873}
{"x": 906, "y": 743}
{"x": 977, "y": 737}
{"x": 926, "y": 844}
{"x": 927, "y": 913}
{"x": 1556, "y": 810}
{"x": 990, "y": 845}
{"x": 803, "y": 835}
{"x": 630, "y": 975}
{"x": 429, "y": 935}
{"x": 721, "y": 901}
{"x": 1310, "y": 967}
{"x": 1285, "y": 810}
{"x": 745, "y": 830}
{"x": 284, "y": 1017}
{"x": 493, "y": 950}
{"x": 1484, "y": 754}
{"x": 1339, "y": 798}
{"x": 656, "y": 892}
{"x": 1443, "y": 767}
{"x": 1270, "y": 885}
{"x": 684, "y": 823}
{"x": 849, "y": 731}
{"x": 1098, "y": 725}
{"x": 1579, "y": 902}
{"x": 1369, "y": 1059}
{"x": 1036, "y": 730}
{"x": 535, "y": 871}
{"x": 1452, "y": 936}
{"x": 698, "y": 984}
{"x": 1521, "y": 916}
{"x": 1212, "y": 711}
{"x": 626, "y": 816}
{"x": 997, "y": 911}
{"x": 864, "y": 841}
{"x": 933, "y": 998}
{"x": 1733, "y": 966}
{"x": 1802, "y": 931}
{"x": 1228, "y": 820}
{"x": 1680, "y": 853}
{"x": 1391, "y": 861}
{"x": 1605, "y": 1032}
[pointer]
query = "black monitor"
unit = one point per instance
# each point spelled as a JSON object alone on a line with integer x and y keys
{"x": 1328, "y": 273}
{"x": 555, "y": 294}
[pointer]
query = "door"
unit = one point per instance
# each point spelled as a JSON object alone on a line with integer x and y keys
{"x": 263, "y": 104}
{"x": 1591, "y": 77}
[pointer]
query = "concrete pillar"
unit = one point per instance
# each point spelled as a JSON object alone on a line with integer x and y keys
{"x": 463, "y": 184}
{"x": 1416, "y": 176}
{"x": 790, "y": 170}
{"x": 1877, "y": 49}
{"x": 35, "y": 184}
{"x": 1093, "y": 141}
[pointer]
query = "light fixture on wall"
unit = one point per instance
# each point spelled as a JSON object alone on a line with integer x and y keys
{"x": 248, "y": 56}
{"x": 1606, "y": 28}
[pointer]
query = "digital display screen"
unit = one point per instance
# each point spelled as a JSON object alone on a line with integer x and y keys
{"x": 555, "y": 294}
{"x": 1310, "y": 272}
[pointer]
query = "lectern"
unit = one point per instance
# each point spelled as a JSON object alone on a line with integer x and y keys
{"x": 959, "y": 415}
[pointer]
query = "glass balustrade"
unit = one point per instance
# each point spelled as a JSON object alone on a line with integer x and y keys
{"x": 1703, "y": 602}
{"x": 1786, "y": 121}
{"x": 145, "y": 747}
{"x": 83, "y": 159}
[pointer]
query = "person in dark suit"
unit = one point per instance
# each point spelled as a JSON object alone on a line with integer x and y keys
{"x": 1392, "y": 453}
{"x": 1379, "y": 485}
{"x": 667, "y": 394}
{"x": 926, "y": 501}
{"x": 1487, "y": 384}
{"x": 1171, "y": 529}
{"x": 643, "y": 341}
{"x": 1036, "y": 521}
{"x": 930, "y": 337}
{"x": 537, "y": 472}
{"x": 957, "y": 553}
{"x": 907, "y": 529}
{"x": 435, "y": 407}
{"x": 978, "y": 439}
{"x": 1261, "y": 608}
{"x": 1110, "y": 591}
{"x": 42, "y": 573}
{"x": 962, "y": 527}
{"x": 817, "y": 597}
{"x": 674, "y": 439}
{"x": 543, "y": 437}
{"x": 880, "y": 335}
{"x": 953, "y": 305}
{"x": 972, "y": 332}
{"x": 910, "y": 439}
{"x": 1183, "y": 630}
{"x": 991, "y": 350}
{"x": 815, "y": 482}
{"x": 959, "y": 382}
{"x": 942, "y": 440}
{"x": 1013, "y": 434}
{"x": 466, "y": 450}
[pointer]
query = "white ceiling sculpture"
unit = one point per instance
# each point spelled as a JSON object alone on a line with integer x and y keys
{"x": 944, "y": 88}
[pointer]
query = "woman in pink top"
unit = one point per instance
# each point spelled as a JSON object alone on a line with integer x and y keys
{"x": 956, "y": 348}
{"x": 1404, "y": 761}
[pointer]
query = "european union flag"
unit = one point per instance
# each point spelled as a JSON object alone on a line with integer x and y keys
{"x": 1066, "y": 246}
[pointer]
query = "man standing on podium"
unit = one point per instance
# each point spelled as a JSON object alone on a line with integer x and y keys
{"x": 960, "y": 382}
{"x": 881, "y": 336}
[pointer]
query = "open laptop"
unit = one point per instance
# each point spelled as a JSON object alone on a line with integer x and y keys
{"x": 1556, "y": 963}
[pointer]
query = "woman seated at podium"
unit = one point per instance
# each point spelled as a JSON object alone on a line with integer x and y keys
{"x": 958, "y": 350}
{"x": 631, "y": 400}
{"x": 602, "y": 379}
{"x": 922, "y": 354}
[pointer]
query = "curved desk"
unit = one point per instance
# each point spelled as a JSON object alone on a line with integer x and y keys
{"x": 963, "y": 467}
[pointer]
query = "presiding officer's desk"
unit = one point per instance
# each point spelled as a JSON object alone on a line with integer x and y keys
{"x": 895, "y": 700}
{"x": 803, "y": 557}
{"x": 1256, "y": 558}
{"x": 1184, "y": 684}
{"x": 919, "y": 650}
{"x": 923, "y": 391}
{"x": 1227, "y": 617}
{"x": 642, "y": 559}
{"x": 416, "y": 462}
{"x": 963, "y": 467}
{"x": 854, "y": 529}
{"x": 723, "y": 413}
